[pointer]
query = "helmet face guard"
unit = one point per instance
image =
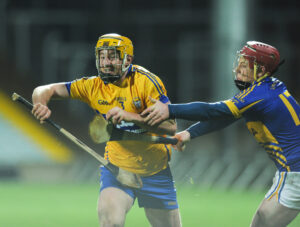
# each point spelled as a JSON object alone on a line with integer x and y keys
{"x": 111, "y": 56}
{"x": 241, "y": 61}
{"x": 108, "y": 64}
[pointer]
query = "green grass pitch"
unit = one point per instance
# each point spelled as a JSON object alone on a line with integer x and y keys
{"x": 64, "y": 205}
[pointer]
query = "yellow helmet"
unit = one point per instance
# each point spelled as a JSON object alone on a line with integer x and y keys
{"x": 121, "y": 44}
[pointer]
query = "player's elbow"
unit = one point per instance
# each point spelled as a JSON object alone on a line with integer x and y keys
{"x": 41, "y": 94}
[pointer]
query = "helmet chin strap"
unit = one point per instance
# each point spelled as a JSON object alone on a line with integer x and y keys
{"x": 263, "y": 77}
{"x": 125, "y": 68}
{"x": 242, "y": 85}
{"x": 255, "y": 71}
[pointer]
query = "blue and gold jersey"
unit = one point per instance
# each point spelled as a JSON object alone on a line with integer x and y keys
{"x": 273, "y": 117}
{"x": 132, "y": 96}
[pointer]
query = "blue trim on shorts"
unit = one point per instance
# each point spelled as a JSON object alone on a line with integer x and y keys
{"x": 281, "y": 185}
{"x": 158, "y": 191}
{"x": 276, "y": 185}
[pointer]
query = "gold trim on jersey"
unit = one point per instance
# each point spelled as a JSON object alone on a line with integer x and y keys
{"x": 234, "y": 110}
{"x": 289, "y": 107}
{"x": 268, "y": 141}
{"x": 247, "y": 92}
{"x": 287, "y": 94}
{"x": 247, "y": 107}
{"x": 272, "y": 147}
{"x": 263, "y": 77}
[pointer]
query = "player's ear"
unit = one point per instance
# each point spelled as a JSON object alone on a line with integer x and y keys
{"x": 261, "y": 71}
{"x": 129, "y": 59}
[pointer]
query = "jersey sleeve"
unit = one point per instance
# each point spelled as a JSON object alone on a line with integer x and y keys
{"x": 81, "y": 89}
{"x": 247, "y": 100}
{"x": 155, "y": 88}
{"x": 204, "y": 127}
{"x": 199, "y": 111}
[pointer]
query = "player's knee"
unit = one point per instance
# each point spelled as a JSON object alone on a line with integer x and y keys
{"x": 108, "y": 218}
{"x": 264, "y": 219}
{"x": 261, "y": 214}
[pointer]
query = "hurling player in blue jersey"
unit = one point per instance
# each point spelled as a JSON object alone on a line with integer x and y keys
{"x": 272, "y": 115}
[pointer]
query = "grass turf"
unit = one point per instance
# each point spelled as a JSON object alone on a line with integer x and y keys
{"x": 64, "y": 205}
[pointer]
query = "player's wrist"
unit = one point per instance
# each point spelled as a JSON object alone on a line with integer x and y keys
{"x": 186, "y": 136}
{"x": 135, "y": 118}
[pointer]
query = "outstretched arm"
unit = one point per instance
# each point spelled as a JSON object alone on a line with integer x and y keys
{"x": 42, "y": 95}
{"x": 204, "y": 127}
{"x": 199, "y": 111}
{"x": 201, "y": 128}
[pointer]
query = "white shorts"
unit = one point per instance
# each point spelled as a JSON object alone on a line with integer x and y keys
{"x": 286, "y": 188}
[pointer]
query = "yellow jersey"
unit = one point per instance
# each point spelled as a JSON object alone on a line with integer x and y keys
{"x": 133, "y": 96}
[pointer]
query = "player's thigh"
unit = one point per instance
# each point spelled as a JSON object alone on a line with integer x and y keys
{"x": 273, "y": 214}
{"x": 163, "y": 217}
{"x": 114, "y": 197}
{"x": 114, "y": 203}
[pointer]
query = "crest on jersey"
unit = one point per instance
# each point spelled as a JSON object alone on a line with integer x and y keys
{"x": 137, "y": 102}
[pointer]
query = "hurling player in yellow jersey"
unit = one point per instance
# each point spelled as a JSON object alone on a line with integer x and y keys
{"x": 120, "y": 93}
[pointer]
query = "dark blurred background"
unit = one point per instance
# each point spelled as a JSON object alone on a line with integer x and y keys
{"x": 189, "y": 44}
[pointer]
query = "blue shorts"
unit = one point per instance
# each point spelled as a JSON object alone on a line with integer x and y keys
{"x": 158, "y": 190}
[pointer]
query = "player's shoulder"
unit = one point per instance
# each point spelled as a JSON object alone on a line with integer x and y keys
{"x": 275, "y": 84}
{"x": 271, "y": 87}
{"x": 262, "y": 90}
{"x": 142, "y": 72}
{"x": 144, "y": 75}
{"x": 89, "y": 80}
{"x": 250, "y": 94}
{"x": 139, "y": 69}
{"x": 87, "y": 83}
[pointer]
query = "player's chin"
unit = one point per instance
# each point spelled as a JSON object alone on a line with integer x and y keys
{"x": 109, "y": 71}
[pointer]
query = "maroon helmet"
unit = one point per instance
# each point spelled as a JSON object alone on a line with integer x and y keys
{"x": 262, "y": 54}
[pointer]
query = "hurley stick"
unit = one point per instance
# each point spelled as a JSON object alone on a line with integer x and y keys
{"x": 124, "y": 177}
{"x": 102, "y": 131}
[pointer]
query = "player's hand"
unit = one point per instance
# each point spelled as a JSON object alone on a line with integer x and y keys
{"x": 183, "y": 138}
{"x": 41, "y": 112}
{"x": 155, "y": 113}
{"x": 116, "y": 115}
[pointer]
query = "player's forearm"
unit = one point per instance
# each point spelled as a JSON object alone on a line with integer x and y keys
{"x": 199, "y": 111}
{"x": 205, "y": 127}
{"x": 168, "y": 127}
{"x": 43, "y": 94}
